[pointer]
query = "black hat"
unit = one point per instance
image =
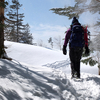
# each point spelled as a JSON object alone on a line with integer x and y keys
{"x": 74, "y": 20}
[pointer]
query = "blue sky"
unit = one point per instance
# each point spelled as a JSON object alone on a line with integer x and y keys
{"x": 45, "y": 24}
{"x": 38, "y": 11}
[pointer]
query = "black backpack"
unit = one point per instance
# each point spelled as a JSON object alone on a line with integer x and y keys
{"x": 77, "y": 36}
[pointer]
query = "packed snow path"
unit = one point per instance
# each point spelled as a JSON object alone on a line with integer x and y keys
{"x": 25, "y": 82}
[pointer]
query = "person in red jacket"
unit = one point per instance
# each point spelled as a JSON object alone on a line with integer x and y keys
{"x": 75, "y": 53}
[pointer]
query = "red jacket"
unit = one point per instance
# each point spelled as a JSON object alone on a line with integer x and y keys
{"x": 68, "y": 33}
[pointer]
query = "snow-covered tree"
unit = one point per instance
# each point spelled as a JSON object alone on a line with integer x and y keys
{"x": 58, "y": 42}
{"x": 79, "y": 7}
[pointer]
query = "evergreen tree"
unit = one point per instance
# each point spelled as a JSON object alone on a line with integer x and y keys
{"x": 50, "y": 41}
{"x": 79, "y": 7}
{"x": 14, "y": 22}
{"x": 27, "y": 36}
{"x": 10, "y": 34}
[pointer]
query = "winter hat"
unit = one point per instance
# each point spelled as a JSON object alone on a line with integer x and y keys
{"x": 74, "y": 20}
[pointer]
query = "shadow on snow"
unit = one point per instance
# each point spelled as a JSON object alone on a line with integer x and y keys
{"x": 36, "y": 83}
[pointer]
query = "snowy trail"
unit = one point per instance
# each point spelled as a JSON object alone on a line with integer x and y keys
{"x": 22, "y": 83}
{"x": 41, "y": 74}
{"x": 88, "y": 87}
{"x": 84, "y": 89}
{"x": 25, "y": 82}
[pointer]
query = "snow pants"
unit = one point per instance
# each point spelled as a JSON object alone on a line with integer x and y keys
{"x": 75, "y": 55}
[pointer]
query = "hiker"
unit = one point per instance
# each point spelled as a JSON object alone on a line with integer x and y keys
{"x": 76, "y": 35}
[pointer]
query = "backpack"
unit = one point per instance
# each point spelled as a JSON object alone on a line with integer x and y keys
{"x": 77, "y": 36}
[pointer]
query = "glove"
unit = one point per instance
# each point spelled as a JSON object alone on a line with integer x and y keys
{"x": 64, "y": 50}
{"x": 87, "y": 50}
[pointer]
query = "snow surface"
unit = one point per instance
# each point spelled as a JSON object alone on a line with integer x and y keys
{"x": 38, "y": 73}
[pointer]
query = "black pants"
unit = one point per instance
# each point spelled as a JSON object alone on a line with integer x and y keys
{"x": 75, "y": 57}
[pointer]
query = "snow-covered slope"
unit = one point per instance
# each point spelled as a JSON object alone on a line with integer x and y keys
{"x": 40, "y": 56}
{"x": 33, "y": 55}
{"x": 24, "y": 78}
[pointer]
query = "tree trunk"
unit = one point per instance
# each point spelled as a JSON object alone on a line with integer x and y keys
{"x": 1, "y": 28}
{"x": 17, "y": 24}
{"x": 99, "y": 71}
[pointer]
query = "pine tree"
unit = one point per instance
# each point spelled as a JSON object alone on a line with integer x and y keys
{"x": 50, "y": 41}
{"x": 27, "y": 36}
{"x": 14, "y": 22}
{"x": 79, "y": 7}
